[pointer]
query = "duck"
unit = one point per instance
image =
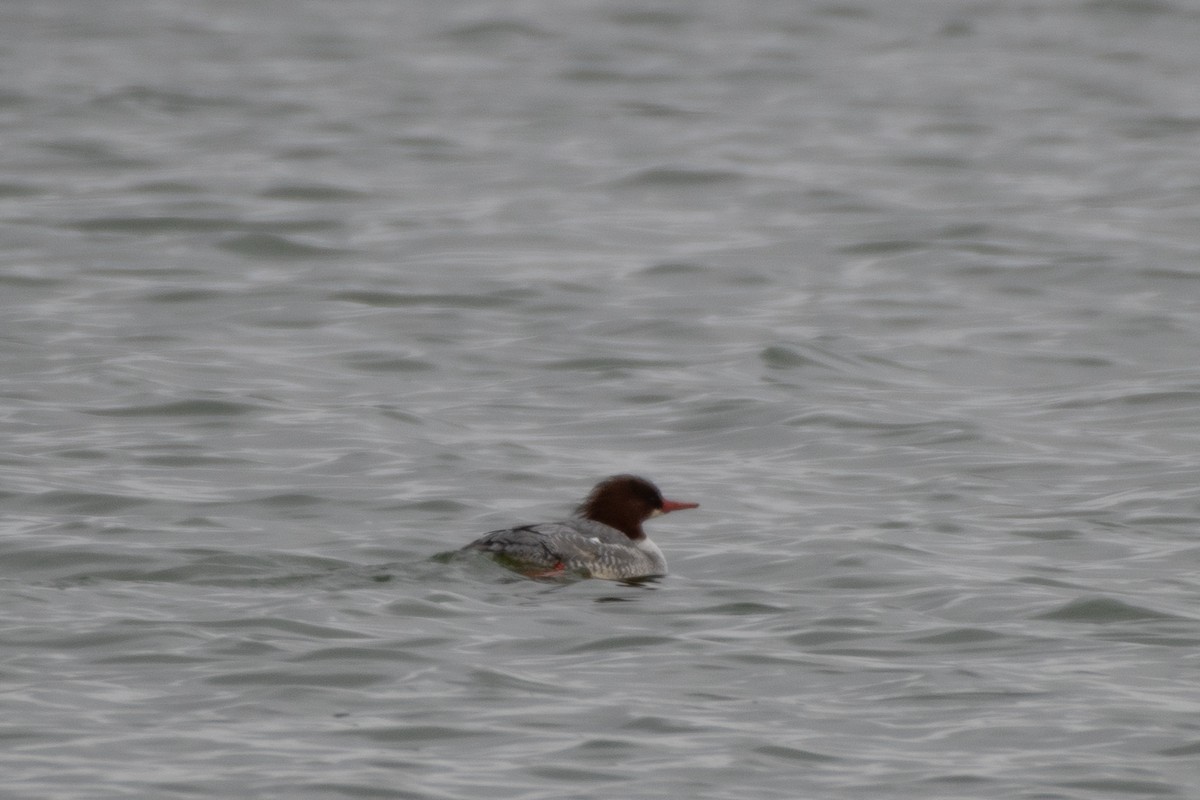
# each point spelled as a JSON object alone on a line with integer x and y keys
{"x": 602, "y": 539}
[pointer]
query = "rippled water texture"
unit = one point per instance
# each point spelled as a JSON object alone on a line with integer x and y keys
{"x": 296, "y": 297}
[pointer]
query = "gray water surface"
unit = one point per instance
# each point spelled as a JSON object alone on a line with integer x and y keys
{"x": 296, "y": 296}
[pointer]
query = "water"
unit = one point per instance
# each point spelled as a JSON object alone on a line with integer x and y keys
{"x": 295, "y": 297}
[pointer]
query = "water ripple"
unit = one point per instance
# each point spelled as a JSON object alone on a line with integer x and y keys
{"x": 294, "y": 305}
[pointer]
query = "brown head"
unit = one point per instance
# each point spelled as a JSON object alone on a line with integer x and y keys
{"x": 624, "y": 502}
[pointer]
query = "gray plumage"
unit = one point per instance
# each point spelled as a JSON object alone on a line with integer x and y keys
{"x": 580, "y": 546}
{"x": 603, "y": 540}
